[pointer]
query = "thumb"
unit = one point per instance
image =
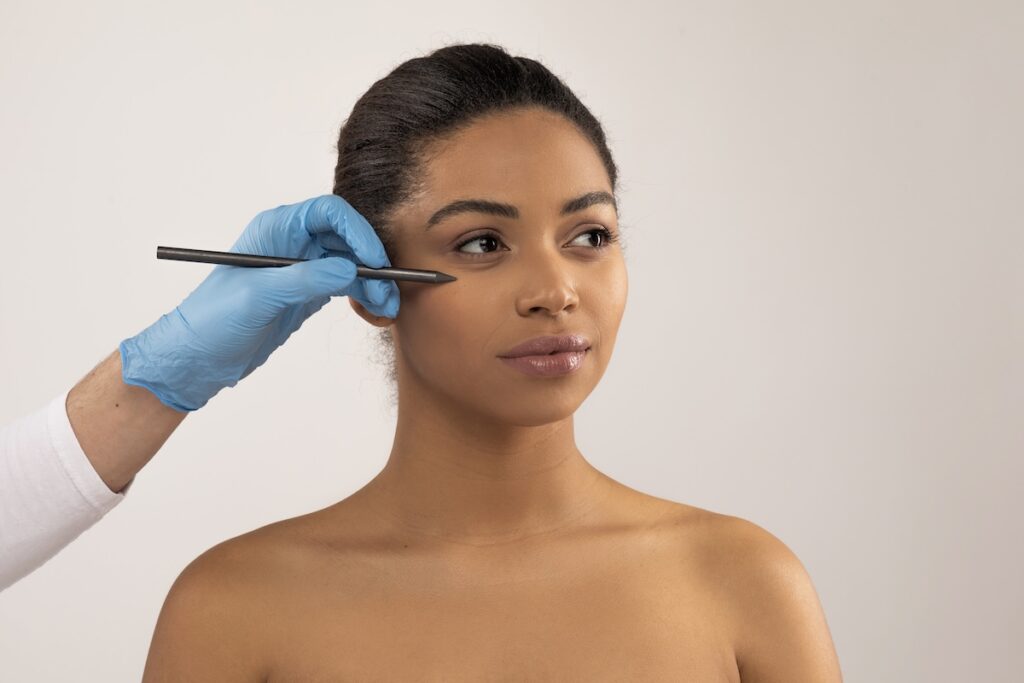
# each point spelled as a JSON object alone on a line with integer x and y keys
{"x": 314, "y": 279}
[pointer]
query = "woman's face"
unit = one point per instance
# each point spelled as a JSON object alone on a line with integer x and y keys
{"x": 542, "y": 272}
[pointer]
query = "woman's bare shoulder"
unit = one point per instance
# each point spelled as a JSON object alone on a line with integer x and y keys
{"x": 736, "y": 550}
{"x": 768, "y": 600}
{"x": 275, "y": 550}
{"x": 225, "y": 610}
{"x": 715, "y": 531}
{"x": 214, "y": 621}
{"x": 724, "y": 544}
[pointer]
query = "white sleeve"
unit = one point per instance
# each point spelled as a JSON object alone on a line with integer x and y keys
{"x": 49, "y": 491}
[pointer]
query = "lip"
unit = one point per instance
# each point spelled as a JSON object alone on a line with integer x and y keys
{"x": 543, "y": 346}
{"x": 548, "y": 365}
{"x": 550, "y": 356}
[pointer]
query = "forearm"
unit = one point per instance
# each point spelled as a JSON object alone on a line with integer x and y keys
{"x": 119, "y": 426}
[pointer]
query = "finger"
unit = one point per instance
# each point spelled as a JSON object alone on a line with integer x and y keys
{"x": 329, "y": 217}
{"x": 301, "y": 283}
{"x": 278, "y": 232}
{"x": 379, "y": 296}
{"x": 371, "y": 300}
{"x": 382, "y": 293}
{"x": 307, "y": 281}
{"x": 386, "y": 294}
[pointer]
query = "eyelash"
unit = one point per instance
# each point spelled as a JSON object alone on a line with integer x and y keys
{"x": 610, "y": 238}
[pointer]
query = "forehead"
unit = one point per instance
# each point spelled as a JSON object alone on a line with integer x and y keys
{"x": 532, "y": 158}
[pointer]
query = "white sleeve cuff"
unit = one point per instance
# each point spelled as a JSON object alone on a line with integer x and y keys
{"x": 49, "y": 491}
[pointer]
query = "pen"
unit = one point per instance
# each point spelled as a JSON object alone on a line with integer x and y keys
{"x": 230, "y": 258}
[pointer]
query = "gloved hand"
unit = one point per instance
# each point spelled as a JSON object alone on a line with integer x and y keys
{"x": 231, "y": 323}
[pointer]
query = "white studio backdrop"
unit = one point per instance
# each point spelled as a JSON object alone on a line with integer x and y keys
{"x": 824, "y": 330}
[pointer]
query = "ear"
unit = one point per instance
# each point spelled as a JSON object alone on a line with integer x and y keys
{"x": 375, "y": 320}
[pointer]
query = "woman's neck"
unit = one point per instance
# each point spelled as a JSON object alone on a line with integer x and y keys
{"x": 465, "y": 478}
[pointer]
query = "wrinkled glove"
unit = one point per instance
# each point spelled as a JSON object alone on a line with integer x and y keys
{"x": 231, "y": 323}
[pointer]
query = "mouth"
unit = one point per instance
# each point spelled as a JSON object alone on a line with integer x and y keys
{"x": 549, "y": 345}
{"x": 553, "y": 364}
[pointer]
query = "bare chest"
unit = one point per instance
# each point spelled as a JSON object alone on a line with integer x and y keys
{"x": 592, "y": 619}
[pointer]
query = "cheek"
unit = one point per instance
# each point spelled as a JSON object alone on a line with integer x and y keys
{"x": 610, "y": 282}
{"x": 443, "y": 332}
{"x": 607, "y": 302}
{"x": 620, "y": 289}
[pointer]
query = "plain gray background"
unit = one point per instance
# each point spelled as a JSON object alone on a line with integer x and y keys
{"x": 822, "y": 203}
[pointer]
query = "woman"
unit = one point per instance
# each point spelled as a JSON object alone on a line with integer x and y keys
{"x": 488, "y": 547}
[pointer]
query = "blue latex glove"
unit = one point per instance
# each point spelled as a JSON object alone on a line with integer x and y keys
{"x": 231, "y": 323}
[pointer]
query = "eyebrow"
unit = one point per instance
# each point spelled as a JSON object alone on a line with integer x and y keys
{"x": 510, "y": 211}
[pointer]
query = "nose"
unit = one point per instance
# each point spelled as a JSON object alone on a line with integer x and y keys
{"x": 548, "y": 284}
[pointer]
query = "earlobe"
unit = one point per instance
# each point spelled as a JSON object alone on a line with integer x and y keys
{"x": 375, "y": 320}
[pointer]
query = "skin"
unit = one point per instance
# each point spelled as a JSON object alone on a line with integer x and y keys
{"x": 467, "y": 424}
{"x": 119, "y": 426}
{"x": 488, "y": 548}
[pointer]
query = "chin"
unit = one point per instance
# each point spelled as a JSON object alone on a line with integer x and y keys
{"x": 534, "y": 403}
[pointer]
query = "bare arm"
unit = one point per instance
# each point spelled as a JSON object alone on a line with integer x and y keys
{"x": 119, "y": 426}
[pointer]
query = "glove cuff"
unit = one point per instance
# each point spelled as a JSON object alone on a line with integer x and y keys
{"x": 176, "y": 374}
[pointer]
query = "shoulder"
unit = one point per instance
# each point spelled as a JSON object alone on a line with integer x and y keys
{"x": 773, "y": 610}
{"x": 217, "y": 619}
{"x": 256, "y": 561}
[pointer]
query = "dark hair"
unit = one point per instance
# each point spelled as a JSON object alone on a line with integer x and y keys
{"x": 382, "y": 144}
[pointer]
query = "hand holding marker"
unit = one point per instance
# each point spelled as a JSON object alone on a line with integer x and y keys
{"x": 231, "y": 323}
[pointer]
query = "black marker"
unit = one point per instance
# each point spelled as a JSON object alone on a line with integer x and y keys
{"x": 230, "y": 258}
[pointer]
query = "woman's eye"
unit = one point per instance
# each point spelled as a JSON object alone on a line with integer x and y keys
{"x": 607, "y": 238}
{"x": 476, "y": 240}
{"x": 606, "y": 235}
